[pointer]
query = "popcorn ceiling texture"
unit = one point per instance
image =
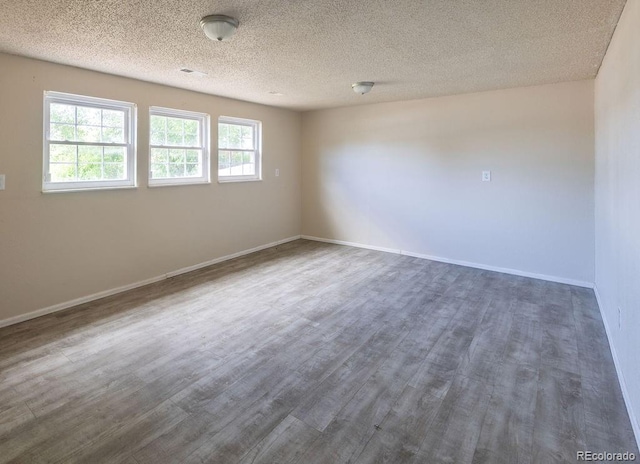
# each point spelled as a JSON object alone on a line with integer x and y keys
{"x": 313, "y": 50}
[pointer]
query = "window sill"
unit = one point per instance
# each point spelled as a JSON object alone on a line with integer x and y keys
{"x": 177, "y": 184}
{"x": 231, "y": 181}
{"x": 88, "y": 189}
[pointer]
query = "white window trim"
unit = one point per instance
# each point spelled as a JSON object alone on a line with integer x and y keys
{"x": 205, "y": 122}
{"x": 257, "y": 134}
{"x": 130, "y": 138}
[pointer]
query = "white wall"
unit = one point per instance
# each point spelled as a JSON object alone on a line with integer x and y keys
{"x": 61, "y": 246}
{"x": 617, "y": 190}
{"x": 407, "y": 176}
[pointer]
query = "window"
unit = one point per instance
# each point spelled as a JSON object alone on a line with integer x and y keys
{"x": 238, "y": 149}
{"x": 178, "y": 147}
{"x": 88, "y": 143}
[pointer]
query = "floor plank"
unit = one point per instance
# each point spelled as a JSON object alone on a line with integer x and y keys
{"x": 285, "y": 444}
{"x": 559, "y": 429}
{"x": 316, "y": 353}
{"x": 506, "y": 436}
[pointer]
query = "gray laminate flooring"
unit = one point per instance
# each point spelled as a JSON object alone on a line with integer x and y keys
{"x": 316, "y": 353}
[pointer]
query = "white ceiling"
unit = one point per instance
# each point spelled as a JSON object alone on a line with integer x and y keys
{"x": 313, "y": 50}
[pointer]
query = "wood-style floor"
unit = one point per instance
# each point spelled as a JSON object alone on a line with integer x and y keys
{"x": 316, "y": 353}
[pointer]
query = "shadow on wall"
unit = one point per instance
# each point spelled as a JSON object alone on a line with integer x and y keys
{"x": 410, "y": 197}
{"x": 408, "y": 176}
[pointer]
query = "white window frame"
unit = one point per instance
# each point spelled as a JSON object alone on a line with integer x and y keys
{"x": 204, "y": 122}
{"x": 257, "y": 143}
{"x": 129, "y": 110}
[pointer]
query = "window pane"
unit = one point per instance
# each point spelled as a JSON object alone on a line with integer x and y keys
{"x": 191, "y": 139}
{"x": 89, "y": 116}
{"x": 90, "y": 166}
{"x": 157, "y": 123}
{"x": 236, "y": 163}
{"x": 175, "y": 131}
{"x": 114, "y": 171}
{"x": 113, "y": 118}
{"x": 158, "y": 171}
{"x": 235, "y": 136}
{"x": 93, "y": 124}
{"x": 191, "y": 132}
{"x": 193, "y": 156}
{"x": 223, "y": 135}
{"x": 114, "y": 154}
{"x": 176, "y": 156}
{"x": 176, "y": 170}
{"x": 174, "y": 125}
{"x": 157, "y": 138}
{"x": 88, "y": 134}
{"x": 62, "y": 132}
{"x": 174, "y": 138}
{"x": 112, "y": 135}
{"x": 230, "y": 136}
{"x": 247, "y": 137}
{"x": 193, "y": 170}
{"x": 224, "y": 163}
{"x": 248, "y": 167}
{"x": 89, "y": 154}
{"x": 62, "y": 172}
{"x": 159, "y": 155}
{"x": 191, "y": 126}
{"x": 62, "y": 113}
{"x": 158, "y": 130}
{"x": 62, "y": 153}
{"x": 90, "y": 171}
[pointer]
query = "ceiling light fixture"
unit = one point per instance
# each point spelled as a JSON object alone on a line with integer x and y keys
{"x": 362, "y": 87}
{"x": 219, "y": 27}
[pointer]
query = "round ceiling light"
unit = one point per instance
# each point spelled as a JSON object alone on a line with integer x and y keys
{"x": 362, "y": 87}
{"x": 219, "y": 27}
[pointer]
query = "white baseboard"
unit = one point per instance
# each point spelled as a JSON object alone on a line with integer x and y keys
{"x": 195, "y": 267}
{"x": 124, "y": 288}
{"x": 635, "y": 425}
{"x": 562, "y": 280}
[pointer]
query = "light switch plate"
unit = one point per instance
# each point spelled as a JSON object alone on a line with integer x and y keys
{"x": 1, "y": 181}
{"x": 486, "y": 176}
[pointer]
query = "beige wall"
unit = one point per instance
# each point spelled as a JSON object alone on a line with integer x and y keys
{"x": 61, "y": 246}
{"x": 407, "y": 176}
{"x": 617, "y": 190}
{"x": 402, "y": 175}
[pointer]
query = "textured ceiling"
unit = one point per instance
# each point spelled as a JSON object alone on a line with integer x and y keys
{"x": 311, "y": 51}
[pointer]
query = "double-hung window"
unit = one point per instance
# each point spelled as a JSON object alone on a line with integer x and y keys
{"x": 179, "y": 147}
{"x": 239, "y": 157}
{"x": 89, "y": 143}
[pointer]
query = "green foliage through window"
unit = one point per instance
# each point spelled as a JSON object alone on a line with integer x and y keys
{"x": 68, "y": 163}
{"x": 177, "y": 144}
{"x": 237, "y": 148}
{"x": 88, "y": 142}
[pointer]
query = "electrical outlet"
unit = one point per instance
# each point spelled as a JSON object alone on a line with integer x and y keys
{"x": 2, "y": 181}
{"x": 486, "y": 176}
{"x": 277, "y": 172}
